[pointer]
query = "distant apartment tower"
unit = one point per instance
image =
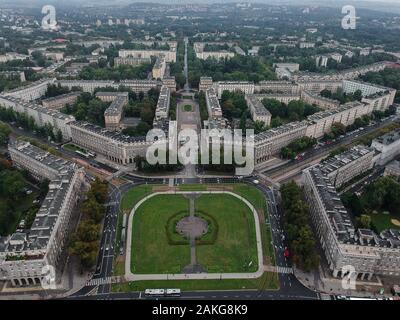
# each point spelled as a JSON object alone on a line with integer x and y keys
{"x": 257, "y": 110}
{"x": 159, "y": 67}
{"x": 205, "y": 83}
{"x": 114, "y": 113}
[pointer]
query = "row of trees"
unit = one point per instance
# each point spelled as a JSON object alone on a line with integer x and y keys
{"x": 201, "y": 96}
{"x": 88, "y": 108}
{"x": 85, "y": 242}
{"x": 244, "y": 68}
{"x": 54, "y": 90}
{"x": 342, "y": 96}
{"x": 4, "y": 132}
{"x": 28, "y": 123}
{"x": 234, "y": 105}
{"x": 143, "y": 166}
{"x": 389, "y": 77}
{"x": 297, "y": 224}
{"x": 123, "y": 72}
{"x": 13, "y": 204}
{"x": 299, "y": 145}
{"x": 293, "y": 111}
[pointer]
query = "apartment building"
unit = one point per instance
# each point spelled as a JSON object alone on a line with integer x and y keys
{"x": 343, "y": 245}
{"x": 131, "y": 61}
{"x": 169, "y": 55}
{"x": 320, "y": 101}
{"x": 113, "y": 145}
{"x": 388, "y": 146}
{"x": 292, "y": 67}
{"x": 316, "y": 86}
{"x": 59, "y": 102}
{"x": 257, "y": 110}
{"x": 233, "y": 86}
{"x": 321, "y": 122}
{"x": 23, "y": 255}
{"x": 169, "y": 82}
{"x": 347, "y": 165}
{"x": 114, "y": 113}
{"x": 40, "y": 114}
{"x": 277, "y": 87}
{"x": 162, "y": 108}
{"x": 31, "y": 92}
{"x": 204, "y": 55}
{"x": 213, "y": 106}
{"x": 91, "y": 85}
{"x": 306, "y": 45}
{"x": 281, "y": 97}
{"x": 159, "y": 67}
{"x": 270, "y": 142}
{"x": 205, "y": 83}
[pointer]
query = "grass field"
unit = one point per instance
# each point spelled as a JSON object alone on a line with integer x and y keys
{"x": 383, "y": 222}
{"x": 267, "y": 281}
{"x": 73, "y": 147}
{"x": 187, "y": 108}
{"x": 235, "y": 247}
{"x": 151, "y": 252}
{"x": 133, "y": 196}
{"x": 156, "y": 257}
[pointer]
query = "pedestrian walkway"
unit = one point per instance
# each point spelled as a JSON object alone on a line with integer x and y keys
{"x": 278, "y": 269}
{"x": 101, "y": 281}
{"x": 287, "y": 270}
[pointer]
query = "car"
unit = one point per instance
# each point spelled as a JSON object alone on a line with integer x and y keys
{"x": 286, "y": 252}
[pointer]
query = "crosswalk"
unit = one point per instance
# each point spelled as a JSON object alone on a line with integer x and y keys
{"x": 284, "y": 269}
{"x": 102, "y": 281}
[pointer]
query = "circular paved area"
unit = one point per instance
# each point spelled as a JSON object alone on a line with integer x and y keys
{"x": 192, "y": 227}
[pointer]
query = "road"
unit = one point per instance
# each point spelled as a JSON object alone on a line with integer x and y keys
{"x": 323, "y": 151}
{"x": 185, "y": 68}
{"x": 290, "y": 287}
{"x": 105, "y": 258}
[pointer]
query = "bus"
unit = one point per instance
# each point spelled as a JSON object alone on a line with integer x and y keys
{"x": 154, "y": 292}
{"x": 82, "y": 154}
{"x": 162, "y": 292}
{"x": 173, "y": 292}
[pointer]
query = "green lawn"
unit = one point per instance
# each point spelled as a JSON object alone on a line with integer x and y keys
{"x": 187, "y": 108}
{"x": 155, "y": 253}
{"x": 235, "y": 246}
{"x": 73, "y": 147}
{"x": 151, "y": 252}
{"x": 192, "y": 187}
{"x": 21, "y": 208}
{"x": 133, "y": 196}
{"x": 383, "y": 221}
{"x": 268, "y": 281}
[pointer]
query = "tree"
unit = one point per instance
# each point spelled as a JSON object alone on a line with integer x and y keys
{"x": 365, "y": 221}
{"x": 338, "y": 129}
{"x": 4, "y": 132}
{"x": 92, "y": 209}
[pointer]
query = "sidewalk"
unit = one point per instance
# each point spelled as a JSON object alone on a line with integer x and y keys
{"x": 318, "y": 282}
